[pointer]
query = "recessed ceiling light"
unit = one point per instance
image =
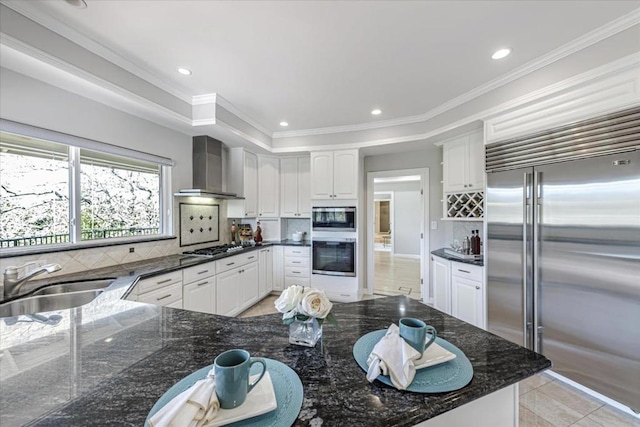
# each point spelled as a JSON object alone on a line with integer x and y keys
{"x": 284, "y": 124}
{"x": 376, "y": 112}
{"x": 80, "y": 4}
{"x": 499, "y": 54}
{"x": 185, "y": 71}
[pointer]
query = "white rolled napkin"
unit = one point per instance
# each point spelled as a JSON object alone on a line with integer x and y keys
{"x": 197, "y": 406}
{"x": 392, "y": 356}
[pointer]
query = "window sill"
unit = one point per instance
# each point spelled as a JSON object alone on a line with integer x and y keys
{"x": 33, "y": 250}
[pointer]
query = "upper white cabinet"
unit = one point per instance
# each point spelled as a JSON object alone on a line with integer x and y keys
{"x": 295, "y": 187}
{"x": 242, "y": 179}
{"x": 463, "y": 164}
{"x": 334, "y": 174}
{"x": 268, "y": 186}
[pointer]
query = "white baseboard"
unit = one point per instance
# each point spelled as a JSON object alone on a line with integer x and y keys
{"x": 407, "y": 256}
{"x": 595, "y": 394}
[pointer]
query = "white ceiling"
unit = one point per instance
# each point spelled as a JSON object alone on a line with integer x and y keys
{"x": 320, "y": 64}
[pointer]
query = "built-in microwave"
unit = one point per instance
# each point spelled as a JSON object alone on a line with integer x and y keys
{"x": 334, "y": 257}
{"x": 333, "y": 218}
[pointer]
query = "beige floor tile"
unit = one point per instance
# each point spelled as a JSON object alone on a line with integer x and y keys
{"x": 586, "y": 422}
{"x": 533, "y": 382}
{"x": 611, "y": 417}
{"x": 552, "y": 410}
{"x": 580, "y": 402}
{"x": 530, "y": 419}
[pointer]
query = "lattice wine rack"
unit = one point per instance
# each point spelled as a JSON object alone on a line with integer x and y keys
{"x": 465, "y": 205}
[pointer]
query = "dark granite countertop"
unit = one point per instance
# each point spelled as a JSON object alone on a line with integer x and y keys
{"x": 106, "y": 363}
{"x": 442, "y": 254}
{"x": 290, "y": 242}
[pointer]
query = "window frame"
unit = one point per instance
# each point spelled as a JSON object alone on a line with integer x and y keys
{"x": 74, "y": 145}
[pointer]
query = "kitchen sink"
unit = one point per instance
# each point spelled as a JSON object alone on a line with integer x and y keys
{"x": 60, "y": 296}
{"x": 63, "y": 288}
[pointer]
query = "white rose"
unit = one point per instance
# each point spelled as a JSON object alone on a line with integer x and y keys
{"x": 289, "y": 299}
{"x": 315, "y": 304}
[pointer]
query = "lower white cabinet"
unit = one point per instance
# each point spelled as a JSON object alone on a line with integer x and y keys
{"x": 458, "y": 290}
{"x": 200, "y": 296}
{"x": 228, "y": 293}
{"x": 265, "y": 279}
{"x": 250, "y": 285}
{"x": 278, "y": 268}
{"x": 163, "y": 289}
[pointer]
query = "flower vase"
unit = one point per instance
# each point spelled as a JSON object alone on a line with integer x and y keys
{"x": 306, "y": 333}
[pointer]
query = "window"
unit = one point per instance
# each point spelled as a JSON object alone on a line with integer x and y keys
{"x": 56, "y": 189}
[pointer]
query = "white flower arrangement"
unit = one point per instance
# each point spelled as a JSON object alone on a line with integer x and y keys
{"x": 300, "y": 303}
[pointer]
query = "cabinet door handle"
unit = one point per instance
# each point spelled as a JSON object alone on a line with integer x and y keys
{"x": 464, "y": 271}
{"x": 164, "y": 297}
{"x": 202, "y": 284}
{"x": 477, "y": 287}
{"x": 202, "y": 272}
{"x": 231, "y": 263}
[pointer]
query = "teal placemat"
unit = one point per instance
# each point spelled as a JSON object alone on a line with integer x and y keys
{"x": 447, "y": 376}
{"x": 286, "y": 384}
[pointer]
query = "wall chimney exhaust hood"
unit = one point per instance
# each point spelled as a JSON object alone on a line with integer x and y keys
{"x": 207, "y": 170}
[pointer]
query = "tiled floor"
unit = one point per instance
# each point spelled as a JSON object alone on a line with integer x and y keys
{"x": 544, "y": 401}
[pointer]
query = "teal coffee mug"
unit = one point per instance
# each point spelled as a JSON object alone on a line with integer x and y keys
{"x": 231, "y": 370}
{"x": 414, "y": 332}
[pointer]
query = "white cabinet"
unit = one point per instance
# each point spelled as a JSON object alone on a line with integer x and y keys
{"x": 334, "y": 174}
{"x": 242, "y": 179}
{"x": 199, "y": 288}
{"x": 268, "y": 186}
{"x": 297, "y": 265}
{"x": 463, "y": 164}
{"x": 237, "y": 283}
{"x": 295, "y": 187}
{"x": 458, "y": 290}
{"x": 164, "y": 289}
{"x": 278, "y": 268}
{"x": 441, "y": 271}
{"x": 228, "y": 293}
{"x": 467, "y": 301}
{"x": 265, "y": 260}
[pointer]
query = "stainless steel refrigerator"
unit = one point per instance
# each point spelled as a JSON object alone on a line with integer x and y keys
{"x": 563, "y": 260}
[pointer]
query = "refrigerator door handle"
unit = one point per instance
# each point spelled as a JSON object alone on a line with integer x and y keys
{"x": 537, "y": 184}
{"x": 526, "y": 213}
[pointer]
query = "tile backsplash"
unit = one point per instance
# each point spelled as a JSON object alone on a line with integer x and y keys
{"x": 460, "y": 229}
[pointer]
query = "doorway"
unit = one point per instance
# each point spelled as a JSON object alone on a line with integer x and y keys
{"x": 397, "y": 211}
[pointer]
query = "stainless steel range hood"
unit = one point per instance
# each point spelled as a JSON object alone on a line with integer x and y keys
{"x": 207, "y": 170}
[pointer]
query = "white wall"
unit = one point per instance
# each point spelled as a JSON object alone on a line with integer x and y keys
{"x": 406, "y": 216}
{"x": 430, "y": 157}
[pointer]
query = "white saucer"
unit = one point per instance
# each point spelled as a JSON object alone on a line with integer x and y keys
{"x": 434, "y": 355}
{"x": 261, "y": 400}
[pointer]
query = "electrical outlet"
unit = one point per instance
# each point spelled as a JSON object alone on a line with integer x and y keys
{"x": 434, "y": 225}
{"x": 132, "y": 250}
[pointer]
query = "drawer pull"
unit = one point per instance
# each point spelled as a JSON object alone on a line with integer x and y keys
{"x": 202, "y": 284}
{"x": 164, "y": 297}
{"x": 202, "y": 272}
{"x": 251, "y": 257}
{"x": 163, "y": 281}
{"x": 295, "y": 262}
{"x": 295, "y": 272}
{"x": 296, "y": 252}
{"x": 345, "y": 295}
{"x": 464, "y": 271}
{"x": 231, "y": 263}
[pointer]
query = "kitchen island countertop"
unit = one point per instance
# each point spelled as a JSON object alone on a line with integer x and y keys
{"x": 106, "y": 363}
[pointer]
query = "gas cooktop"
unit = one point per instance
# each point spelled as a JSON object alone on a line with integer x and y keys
{"x": 216, "y": 250}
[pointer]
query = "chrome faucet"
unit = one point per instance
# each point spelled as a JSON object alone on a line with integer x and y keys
{"x": 12, "y": 284}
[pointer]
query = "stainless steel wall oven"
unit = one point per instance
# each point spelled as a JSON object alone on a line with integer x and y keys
{"x": 334, "y": 257}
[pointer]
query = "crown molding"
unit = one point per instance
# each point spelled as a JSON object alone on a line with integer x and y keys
{"x": 224, "y": 103}
{"x": 27, "y": 9}
{"x": 582, "y": 42}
